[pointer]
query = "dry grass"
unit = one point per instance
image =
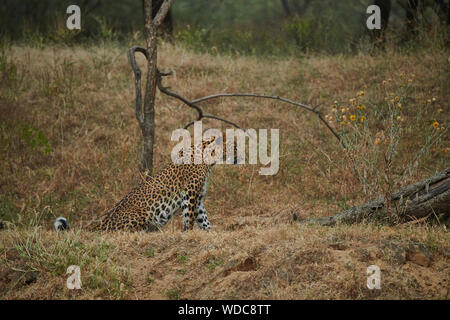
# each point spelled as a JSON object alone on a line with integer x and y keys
{"x": 87, "y": 154}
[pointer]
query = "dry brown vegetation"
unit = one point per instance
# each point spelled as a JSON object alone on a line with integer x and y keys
{"x": 70, "y": 146}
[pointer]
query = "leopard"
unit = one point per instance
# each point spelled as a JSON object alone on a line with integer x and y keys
{"x": 156, "y": 199}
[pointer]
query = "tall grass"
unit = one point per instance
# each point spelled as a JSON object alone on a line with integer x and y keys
{"x": 69, "y": 146}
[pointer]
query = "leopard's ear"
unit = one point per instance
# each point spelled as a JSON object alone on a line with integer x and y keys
{"x": 219, "y": 140}
{"x": 216, "y": 139}
{"x": 207, "y": 141}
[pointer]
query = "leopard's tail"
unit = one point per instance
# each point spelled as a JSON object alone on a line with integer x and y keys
{"x": 61, "y": 224}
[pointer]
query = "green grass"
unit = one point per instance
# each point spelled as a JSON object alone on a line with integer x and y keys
{"x": 182, "y": 259}
{"x": 173, "y": 294}
{"x": 149, "y": 253}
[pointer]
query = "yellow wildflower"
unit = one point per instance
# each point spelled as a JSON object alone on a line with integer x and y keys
{"x": 435, "y": 124}
{"x": 362, "y": 118}
{"x": 353, "y": 117}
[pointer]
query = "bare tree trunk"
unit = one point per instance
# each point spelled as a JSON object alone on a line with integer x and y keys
{"x": 148, "y": 127}
{"x": 167, "y": 24}
{"x": 146, "y": 114}
{"x": 429, "y": 196}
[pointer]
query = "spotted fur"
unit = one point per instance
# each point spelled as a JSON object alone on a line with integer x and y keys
{"x": 151, "y": 204}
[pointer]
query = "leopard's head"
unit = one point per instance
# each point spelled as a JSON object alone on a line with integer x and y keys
{"x": 218, "y": 149}
{"x": 213, "y": 149}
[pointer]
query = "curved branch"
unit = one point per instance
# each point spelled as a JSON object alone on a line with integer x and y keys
{"x": 295, "y": 103}
{"x": 331, "y": 129}
{"x": 192, "y": 104}
{"x": 137, "y": 80}
{"x": 177, "y": 96}
{"x": 210, "y": 116}
{"x": 189, "y": 103}
{"x": 298, "y": 104}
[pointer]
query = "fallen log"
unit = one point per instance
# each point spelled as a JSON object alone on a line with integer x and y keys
{"x": 418, "y": 200}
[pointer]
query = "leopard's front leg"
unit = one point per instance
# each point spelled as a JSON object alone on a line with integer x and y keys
{"x": 200, "y": 212}
{"x": 188, "y": 206}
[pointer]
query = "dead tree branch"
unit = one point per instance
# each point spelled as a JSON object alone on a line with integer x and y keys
{"x": 137, "y": 81}
{"x": 193, "y": 103}
{"x": 177, "y": 96}
{"x": 415, "y": 201}
{"x": 295, "y": 103}
{"x": 162, "y": 12}
{"x": 189, "y": 103}
{"x": 210, "y": 116}
{"x": 201, "y": 115}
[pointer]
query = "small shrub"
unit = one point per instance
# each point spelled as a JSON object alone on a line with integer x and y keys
{"x": 377, "y": 135}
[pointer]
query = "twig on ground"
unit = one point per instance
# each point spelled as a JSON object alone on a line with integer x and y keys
{"x": 417, "y": 200}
